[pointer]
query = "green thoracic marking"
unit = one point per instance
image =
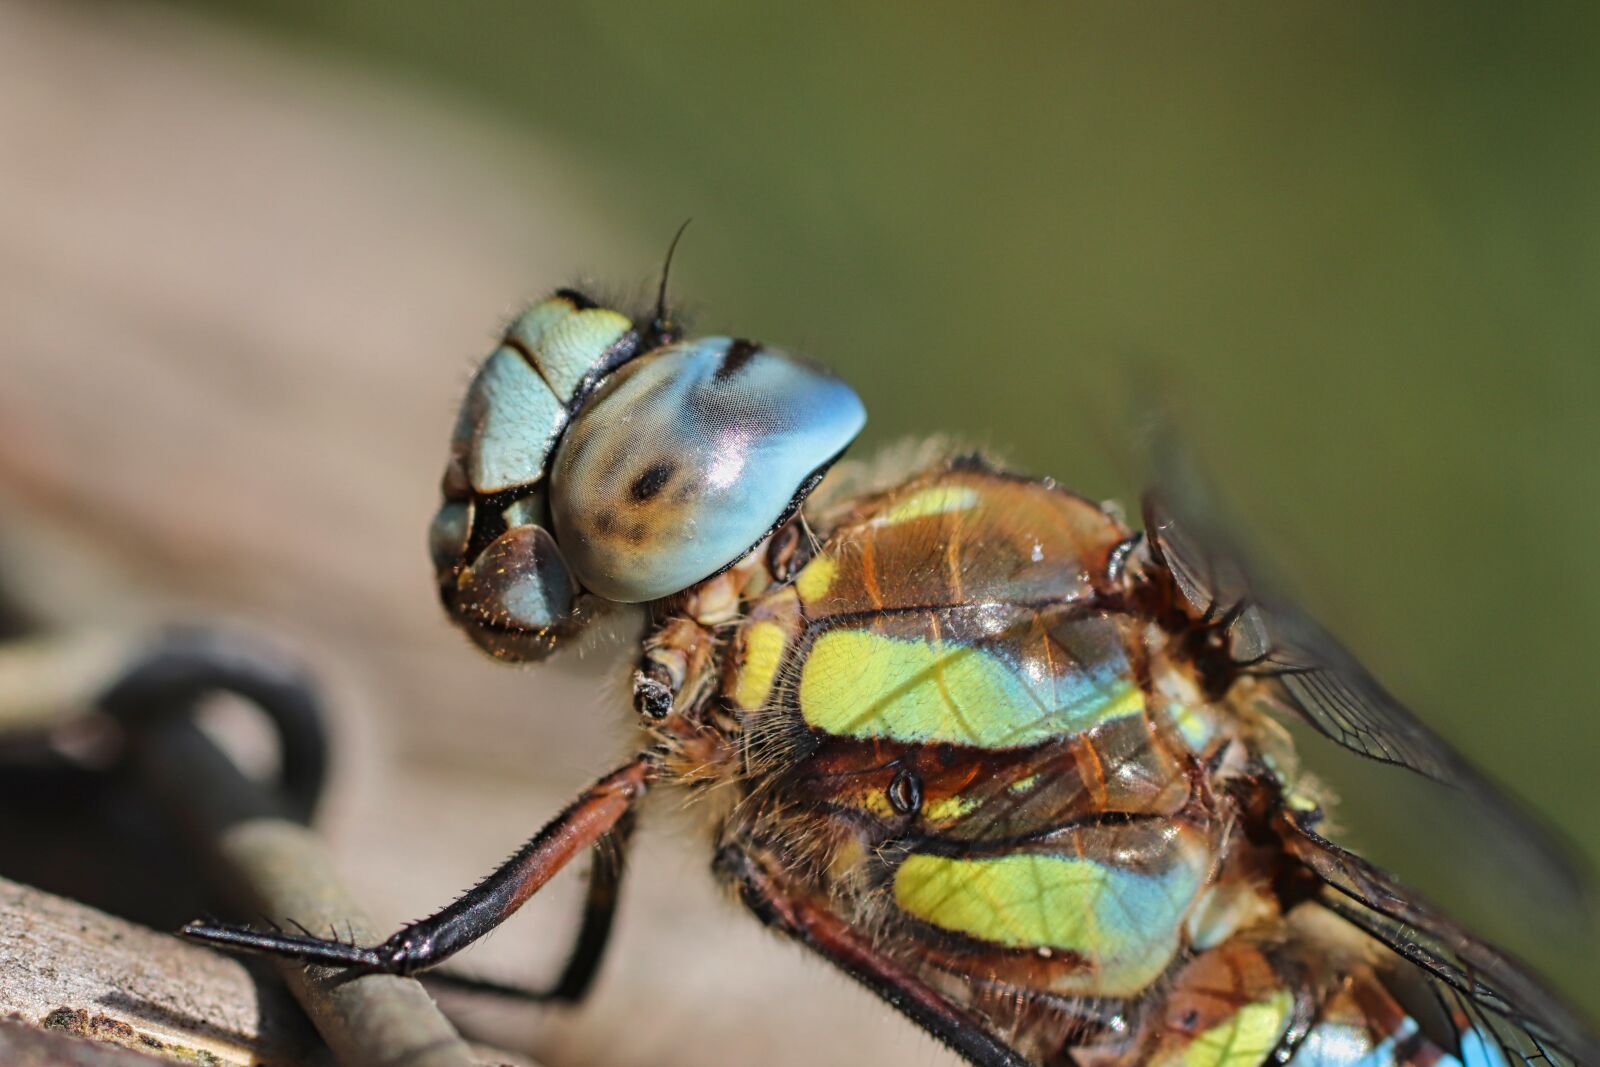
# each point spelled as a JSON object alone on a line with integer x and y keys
{"x": 763, "y": 643}
{"x": 1197, "y": 726}
{"x": 1245, "y": 1039}
{"x": 1124, "y": 925}
{"x": 934, "y": 500}
{"x": 861, "y": 684}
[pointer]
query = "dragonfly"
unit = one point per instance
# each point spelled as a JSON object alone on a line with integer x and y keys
{"x": 1016, "y": 767}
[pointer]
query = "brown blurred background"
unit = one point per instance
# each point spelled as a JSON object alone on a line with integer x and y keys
{"x": 250, "y": 251}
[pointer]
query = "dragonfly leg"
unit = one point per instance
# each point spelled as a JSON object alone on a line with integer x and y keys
{"x": 810, "y": 922}
{"x": 585, "y": 822}
{"x": 609, "y": 860}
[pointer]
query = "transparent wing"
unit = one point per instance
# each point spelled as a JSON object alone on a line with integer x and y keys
{"x": 1482, "y": 990}
{"x": 1305, "y": 672}
{"x": 1321, "y": 681}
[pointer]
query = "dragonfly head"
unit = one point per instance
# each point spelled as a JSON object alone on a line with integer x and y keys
{"x": 585, "y": 469}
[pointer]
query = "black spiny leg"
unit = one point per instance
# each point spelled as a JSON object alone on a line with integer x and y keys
{"x": 813, "y": 925}
{"x": 596, "y": 813}
{"x": 610, "y": 855}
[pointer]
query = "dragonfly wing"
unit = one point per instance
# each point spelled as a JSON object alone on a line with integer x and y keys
{"x": 1482, "y": 989}
{"x": 1306, "y": 673}
{"x": 1320, "y": 681}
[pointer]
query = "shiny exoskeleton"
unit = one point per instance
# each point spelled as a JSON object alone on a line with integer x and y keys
{"x": 1012, "y": 765}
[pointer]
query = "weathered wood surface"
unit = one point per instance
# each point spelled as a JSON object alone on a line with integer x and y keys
{"x": 75, "y": 972}
{"x": 72, "y": 969}
{"x": 241, "y": 297}
{"x": 24, "y": 1045}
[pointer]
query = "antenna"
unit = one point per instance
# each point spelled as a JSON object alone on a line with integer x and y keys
{"x": 659, "y": 326}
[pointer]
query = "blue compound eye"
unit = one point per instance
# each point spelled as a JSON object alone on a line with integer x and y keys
{"x": 688, "y": 456}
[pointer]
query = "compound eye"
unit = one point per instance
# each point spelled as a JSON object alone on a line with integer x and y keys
{"x": 686, "y": 457}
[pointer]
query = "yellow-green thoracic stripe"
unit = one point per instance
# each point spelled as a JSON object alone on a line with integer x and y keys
{"x": 860, "y": 684}
{"x": 1125, "y": 925}
{"x": 1244, "y": 1039}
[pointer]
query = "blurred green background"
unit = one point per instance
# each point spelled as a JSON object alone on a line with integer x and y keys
{"x": 1355, "y": 245}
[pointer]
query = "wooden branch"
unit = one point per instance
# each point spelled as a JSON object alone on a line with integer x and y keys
{"x": 25, "y": 1046}
{"x": 69, "y": 973}
{"x": 68, "y": 968}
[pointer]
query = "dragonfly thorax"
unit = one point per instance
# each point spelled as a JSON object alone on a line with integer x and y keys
{"x": 947, "y": 720}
